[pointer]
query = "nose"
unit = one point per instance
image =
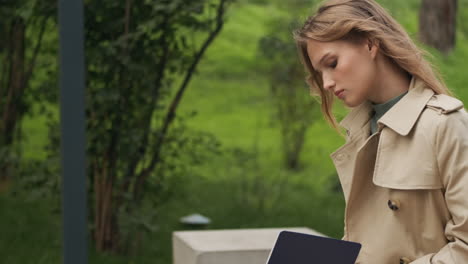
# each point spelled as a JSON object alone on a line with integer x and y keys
{"x": 328, "y": 82}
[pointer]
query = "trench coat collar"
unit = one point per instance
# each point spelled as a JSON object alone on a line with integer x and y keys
{"x": 400, "y": 118}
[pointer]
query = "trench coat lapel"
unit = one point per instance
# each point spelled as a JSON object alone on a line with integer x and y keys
{"x": 404, "y": 114}
{"x": 357, "y": 118}
{"x": 356, "y": 124}
{"x": 400, "y": 118}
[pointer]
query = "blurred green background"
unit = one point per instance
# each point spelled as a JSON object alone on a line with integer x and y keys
{"x": 240, "y": 180}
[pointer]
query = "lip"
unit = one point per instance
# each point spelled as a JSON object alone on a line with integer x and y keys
{"x": 339, "y": 93}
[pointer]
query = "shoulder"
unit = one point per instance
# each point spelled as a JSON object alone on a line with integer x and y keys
{"x": 442, "y": 110}
{"x": 443, "y": 121}
{"x": 449, "y": 137}
{"x": 444, "y": 104}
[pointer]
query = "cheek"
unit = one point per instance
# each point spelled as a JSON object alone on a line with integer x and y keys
{"x": 357, "y": 74}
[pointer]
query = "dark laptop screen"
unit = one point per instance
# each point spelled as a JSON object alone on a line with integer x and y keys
{"x": 298, "y": 248}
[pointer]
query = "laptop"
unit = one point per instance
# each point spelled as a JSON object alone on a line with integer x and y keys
{"x": 299, "y": 248}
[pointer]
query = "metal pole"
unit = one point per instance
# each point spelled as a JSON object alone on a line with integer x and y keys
{"x": 72, "y": 123}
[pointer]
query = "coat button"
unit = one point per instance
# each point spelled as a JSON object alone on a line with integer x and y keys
{"x": 405, "y": 260}
{"x": 393, "y": 205}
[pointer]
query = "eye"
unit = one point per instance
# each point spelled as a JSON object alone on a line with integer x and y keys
{"x": 333, "y": 64}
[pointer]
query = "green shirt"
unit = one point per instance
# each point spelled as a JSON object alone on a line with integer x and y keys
{"x": 381, "y": 109}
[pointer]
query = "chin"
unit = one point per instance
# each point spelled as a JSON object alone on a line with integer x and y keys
{"x": 352, "y": 103}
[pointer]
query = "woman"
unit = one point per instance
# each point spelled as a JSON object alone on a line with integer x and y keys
{"x": 404, "y": 166}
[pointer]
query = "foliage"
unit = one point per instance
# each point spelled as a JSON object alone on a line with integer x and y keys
{"x": 295, "y": 109}
{"x": 23, "y": 24}
{"x": 134, "y": 53}
{"x": 259, "y": 188}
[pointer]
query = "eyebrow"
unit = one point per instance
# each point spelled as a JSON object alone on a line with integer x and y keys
{"x": 322, "y": 59}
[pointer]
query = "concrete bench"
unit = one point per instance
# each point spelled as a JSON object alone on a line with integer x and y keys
{"x": 234, "y": 246}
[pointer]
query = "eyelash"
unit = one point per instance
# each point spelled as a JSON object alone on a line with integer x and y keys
{"x": 332, "y": 65}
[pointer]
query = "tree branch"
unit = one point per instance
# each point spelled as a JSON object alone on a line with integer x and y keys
{"x": 37, "y": 48}
{"x": 16, "y": 76}
{"x": 160, "y": 75}
{"x": 122, "y": 99}
{"x": 171, "y": 113}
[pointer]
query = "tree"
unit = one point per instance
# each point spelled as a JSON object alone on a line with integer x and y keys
{"x": 23, "y": 26}
{"x": 437, "y": 24}
{"x": 141, "y": 57}
{"x": 295, "y": 109}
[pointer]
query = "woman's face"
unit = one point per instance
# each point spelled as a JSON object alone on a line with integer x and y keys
{"x": 348, "y": 69}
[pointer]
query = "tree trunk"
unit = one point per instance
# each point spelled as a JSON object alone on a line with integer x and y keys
{"x": 11, "y": 96}
{"x": 106, "y": 233}
{"x": 437, "y": 24}
{"x": 17, "y": 69}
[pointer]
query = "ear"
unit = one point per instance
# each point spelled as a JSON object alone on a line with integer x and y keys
{"x": 373, "y": 47}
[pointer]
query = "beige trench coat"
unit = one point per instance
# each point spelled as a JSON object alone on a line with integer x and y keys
{"x": 406, "y": 186}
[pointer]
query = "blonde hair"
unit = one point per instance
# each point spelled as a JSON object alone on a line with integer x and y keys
{"x": 358, "y": 19}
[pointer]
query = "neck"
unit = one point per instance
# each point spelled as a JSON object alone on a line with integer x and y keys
{"x": 391, "y": 81}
